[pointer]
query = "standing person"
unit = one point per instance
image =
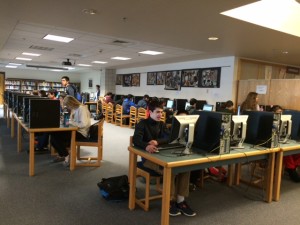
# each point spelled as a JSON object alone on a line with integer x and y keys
{"x": 80, "y": 117}
{"x": 143, "y": 103}
{"x": 70, "y": 89}
{"x": 97, "y": 95}
{"x": 251, "y": 103}
{"x": 148, "y": 134}
{"x": 127, "y": 103}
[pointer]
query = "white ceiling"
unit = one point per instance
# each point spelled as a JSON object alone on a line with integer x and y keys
{"x": 178, "y": 28}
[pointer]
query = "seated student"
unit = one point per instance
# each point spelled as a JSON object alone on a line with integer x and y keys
{"x": 143, "y": 103}
{"x": 80, "y": 117}
{"x": 42, "y": 93}
{"x": 148, "y": 134}
{"x": 192, "y": 107}
{"x": 127, "y": 103}
{"x": 108, "y": 98}
{"x": 291, "y": 162}
{"x": 250, "y": 103}
{"x": 228, "y": 107}
{"x": 52, "y": 94}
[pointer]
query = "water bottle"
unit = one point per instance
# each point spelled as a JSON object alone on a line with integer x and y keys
{"x": 66, "y": 119}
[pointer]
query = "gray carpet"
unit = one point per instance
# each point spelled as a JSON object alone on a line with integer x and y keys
{"x": 57, "y": 196}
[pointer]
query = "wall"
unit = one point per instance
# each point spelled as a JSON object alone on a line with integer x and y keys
{"x": 95, "y": 76}
{"x": 212, "y": 95}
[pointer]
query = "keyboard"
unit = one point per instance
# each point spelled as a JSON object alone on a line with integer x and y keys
{"x": 170, "y": 146}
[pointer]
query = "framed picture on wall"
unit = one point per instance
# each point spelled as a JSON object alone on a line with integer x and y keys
{"x": 119, "y": 79}
{"x": 160, "y": 78}
{"x": 209, "y": 78}
{"x": 135, "y": 80}
{"x": 173, "y": 80}
{"x": 90, "y": 83}
{"x": 151, "y": 78}
{"x": 189, "y": 78}
{"x": 127, "y": 80}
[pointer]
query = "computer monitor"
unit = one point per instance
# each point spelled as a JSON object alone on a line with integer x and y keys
{"x": 187, "y": 105}
{"x": 19, "y": 104}
{"x": 220, "y": 106}
{"x": 285, "y": 128}
{"x": 207, "y": 107}
{"x": 183, "y": 129}
{"x": 117, "y": 97}
{"x": 262, "y": 128}
{"x": 136, "y": 99}
{"x": 238, "y": 131}
{"x": 212, "y": 132}
{"x": 295, "y": 129}
{"x": 179, "y": 104}
{"x": 200, "y": 104}
{"x": 170, "y": 104}
{"x": 26, "y": 106}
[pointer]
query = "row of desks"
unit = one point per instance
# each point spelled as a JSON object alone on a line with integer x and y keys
{"x": 174, "y": 164}
{"x": 12, "y": 117}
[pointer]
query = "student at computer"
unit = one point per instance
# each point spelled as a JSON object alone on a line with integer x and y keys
{"x": 148, "y": 134}
{"x": 250, "y": 103}
{"x": 80, "y": 117}
{"x": 192, "y": 107}
{"x": 127, "y": 103}
{"x": 52, "y": 94}
{"x": 228, "y": 107}
{"x": 143, "y": 103}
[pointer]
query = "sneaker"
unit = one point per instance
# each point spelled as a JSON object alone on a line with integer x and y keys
{"x": 185, "y": 209}
{"x": 58, "y": 159}
{"x": 174, "y": 211}
{"x": 293, "y": 175}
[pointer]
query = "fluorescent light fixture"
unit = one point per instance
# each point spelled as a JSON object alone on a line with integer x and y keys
{"x": 120, "y": 58}
{"x": 58, "y": 38}
{"x": 149, "y": 52}
{"x": 280, "y": 15}
{"x": 84, "y": 65}
{"x": 15, "y": 64}
{"x": 31, "y": 54}
{"x": 99, "y": 62}
{"x": 69, "y": 68}
{"x": 25, "y": 59}
{"x": 213, "y": 38}
{"x": 9, "y": 66}
{"x": 56, "y": 70}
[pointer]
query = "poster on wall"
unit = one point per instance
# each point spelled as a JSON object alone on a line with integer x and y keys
{"x": 209, "y": 78}
{"x": 127, "y": 80}
{"x": 173, "y": 80}
{"x": 135, "y": 80}
{"x": 160, "y": 78}
{"x": 119, "y": 79}
{"x": 151, "y": 78}
{"x": 189, "y": 78}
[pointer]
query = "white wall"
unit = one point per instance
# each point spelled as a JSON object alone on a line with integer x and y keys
{"x": 92, "y": 75}
{"x": 212, "y": 95}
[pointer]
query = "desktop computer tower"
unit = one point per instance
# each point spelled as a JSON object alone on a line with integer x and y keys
{"x": 225, "y": 134}
{"x": 44, "y": 113}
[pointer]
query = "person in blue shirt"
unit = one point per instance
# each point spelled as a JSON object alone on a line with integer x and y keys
{"x": 143, "y": 103}
{"x": 127, "y": 103}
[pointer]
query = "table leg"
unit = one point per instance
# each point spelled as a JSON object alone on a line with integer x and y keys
{"x": 277, "y": 175}
{"x": 132, "y": 179}
{"x": 270, "y": 177}
{"x": 31, "y": 153}
{"x": 73, "y": 150}
{"x": 12, "y": 129}
{"x": 19, "y": 136}
{"x": 166, "y": 196}
{"x": 8, "y": 118}
{"x": 237, "y": 174}
{"x": 230, "y": 175}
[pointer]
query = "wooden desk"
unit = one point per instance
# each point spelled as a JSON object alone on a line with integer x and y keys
{"x": 176, "y": 165}
{"x": 92, "y": 103}
{"x": 290, "y": 148}
{"x": 32, "y": 132}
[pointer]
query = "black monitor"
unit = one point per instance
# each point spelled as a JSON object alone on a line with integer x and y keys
{"x": 260, "y": 128}
{"x": 200, "y": 104}
{"x": 117, "y": 97}
{"x": 136, "y": 99}
{"x": 295, "y": 130}
{"x": 6, "y": 97}
{"x": 179, "y": 104}
{"x": 14, "y": 101}
{"x": 44, "y": 113}
{"x": 212, "y": 132}
{"x": 19, "y": 104}
{"x": 220, "y": 106}
{"x": 10, "y": 99}
{"x": 26, "y": 106}
{"x": 208, "y": 107}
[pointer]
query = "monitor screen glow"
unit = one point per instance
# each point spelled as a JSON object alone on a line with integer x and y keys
{"x": 207, "y": 107}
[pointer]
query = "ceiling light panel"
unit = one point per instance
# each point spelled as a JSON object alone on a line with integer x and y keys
{"x": 58, "y": 38}
{"x": 25, "y": 59}
{"x": 86, "y": 65}
{"x": 99, "y": 62}
{"x": 149, "y": 52}
{"x": 120, "y": 58}
{"x": 31, "y": 54}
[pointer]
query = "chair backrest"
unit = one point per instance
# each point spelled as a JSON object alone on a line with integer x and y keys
{"x": 142, "y": 114}
{"x": 119, "y": 110}
{"x": 133, "y": 111}
{"x": 96, "y": 131}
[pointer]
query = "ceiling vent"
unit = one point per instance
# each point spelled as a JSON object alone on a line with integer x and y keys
{"x": 41, "y": 48}
{"x": 121, "y": 43}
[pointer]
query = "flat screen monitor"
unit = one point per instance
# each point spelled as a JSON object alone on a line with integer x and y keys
{"x": 26, "y": 106}
{"x": 208, "y": 107}
{"x": 136, "y": 99}
{"x": 179, "y": 104}
{"x": 187, "y": 105}
{"x": 220, "y": 106}
{"x": 261, "y": 127}
{"x": 285, "y": 128}
{"x": 170, "y": 104}
{"x": 19, "y": 104}
{"x": 200, "y": 104}
{"x": 212, "y": 132}
{"x": 295, "y": 129}
{"x": 117, "y": 97}
{"x": 238, "y": 131}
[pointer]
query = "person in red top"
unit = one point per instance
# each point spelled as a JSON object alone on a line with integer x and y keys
{"x": 108, "y": 98}
{"x": 52, "y": 94}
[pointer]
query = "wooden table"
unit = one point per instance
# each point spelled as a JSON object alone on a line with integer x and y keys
{"x": 291, "y": 148}
{"x": 176, "y": 165}
{"x": 33, "y": 131}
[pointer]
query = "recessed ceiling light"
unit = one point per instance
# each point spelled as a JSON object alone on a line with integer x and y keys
{"x": 84, "y": 65}
{"x": 213, "y": 38}
{"x": 58, "y": 38}
{"x": 99, "y": 62}
{"x": 69, "y": 68}
{"x": 56, "y": 70}
{"x": 120, "y": 58}
{"x": 25, "y": 59}
{"x": 31, "y": 54}
{"x": 10, "y": 66}
{"x": 15, "y": 64}
{"x": 285, "y": 52}
{"x": 90, "y": 11}
{"x": 149, "y": 52}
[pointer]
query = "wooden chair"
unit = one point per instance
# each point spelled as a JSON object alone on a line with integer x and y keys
{"x": 163, "y": 117}
{"x": 109, "y": 115}
{"x": 148, "y": 175}
{"x": 142, "y": 114}
{"x": 120, "y": 117}
{"x": 104, "y": 106}
{"x": 94, "y": 143}
{"x": 133, "y": 117}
